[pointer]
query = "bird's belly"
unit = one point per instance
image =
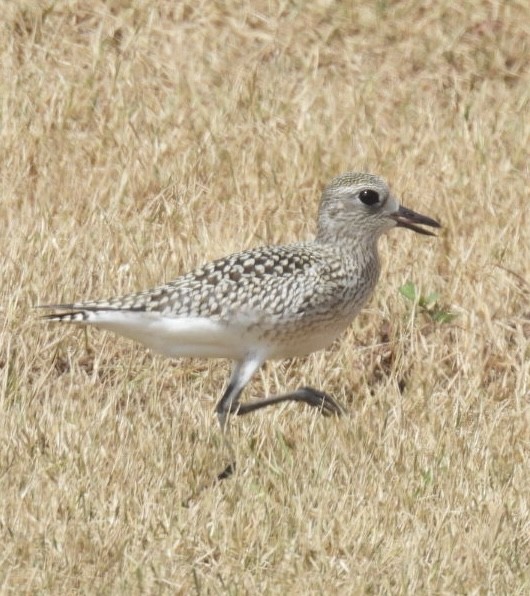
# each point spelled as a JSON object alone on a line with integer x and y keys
{"x": 206, "y": 338}
{"x": 305, "y": 339}
{"x": 316, "y": 330}
{"x": 174, "y": 337}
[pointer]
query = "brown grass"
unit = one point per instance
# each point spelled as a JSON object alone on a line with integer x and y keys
{"x": 139, "y": 139}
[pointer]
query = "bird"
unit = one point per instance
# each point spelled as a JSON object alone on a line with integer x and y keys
{"x": 268, "y": 303}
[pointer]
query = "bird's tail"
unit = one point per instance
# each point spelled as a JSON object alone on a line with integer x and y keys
{"x": 72, "y": 315}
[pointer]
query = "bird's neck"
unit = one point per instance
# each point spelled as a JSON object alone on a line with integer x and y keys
{"x": 360, "y": 252}
{"x": 349, "y": 243}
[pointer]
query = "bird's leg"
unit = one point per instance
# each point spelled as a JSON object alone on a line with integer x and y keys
{"x": 229, "y": 404}
{"x": 313, "y": 397}
{"x": 223, "y": 409}
{"x": 317, "y": 399}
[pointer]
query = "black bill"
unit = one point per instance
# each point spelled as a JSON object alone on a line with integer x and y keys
{"x": 406, "y": 218}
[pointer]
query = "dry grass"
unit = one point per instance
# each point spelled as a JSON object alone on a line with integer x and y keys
{"x": 139, "y": 139}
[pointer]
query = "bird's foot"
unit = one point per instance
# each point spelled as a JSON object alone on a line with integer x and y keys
{"x": 318, "y": 399}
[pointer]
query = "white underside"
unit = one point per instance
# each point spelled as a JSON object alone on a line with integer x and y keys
{"x": 205, "y": 338}
{"x": 176, "y": 337}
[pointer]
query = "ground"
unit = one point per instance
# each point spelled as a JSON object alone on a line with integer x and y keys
{"x": 139, "y": 139}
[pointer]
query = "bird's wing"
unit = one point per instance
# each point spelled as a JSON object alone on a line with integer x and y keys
{"x": 279, "y": 282}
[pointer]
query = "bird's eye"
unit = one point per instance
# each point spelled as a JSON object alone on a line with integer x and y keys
{"x": 369, "y": 197}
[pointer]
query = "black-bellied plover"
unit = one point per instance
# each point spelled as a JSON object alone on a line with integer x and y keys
{"x": 266, "y": 303}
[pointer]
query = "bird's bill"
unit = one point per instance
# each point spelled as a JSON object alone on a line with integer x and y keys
{"x": 406, "y": 218}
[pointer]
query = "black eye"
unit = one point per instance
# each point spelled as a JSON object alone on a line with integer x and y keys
{"x": 369, "y": 197}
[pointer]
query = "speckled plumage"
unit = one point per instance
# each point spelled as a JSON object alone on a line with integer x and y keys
{"x": 274, "y": 289}
{"x": 268, "y": 302}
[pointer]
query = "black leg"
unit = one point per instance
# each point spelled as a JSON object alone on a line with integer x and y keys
{"x": 230, "y": 404}
{"x": 308, "y": 395}
{"x": 241, "y": 375}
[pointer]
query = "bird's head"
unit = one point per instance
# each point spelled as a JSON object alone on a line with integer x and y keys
{"x": 358, "y": 205}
